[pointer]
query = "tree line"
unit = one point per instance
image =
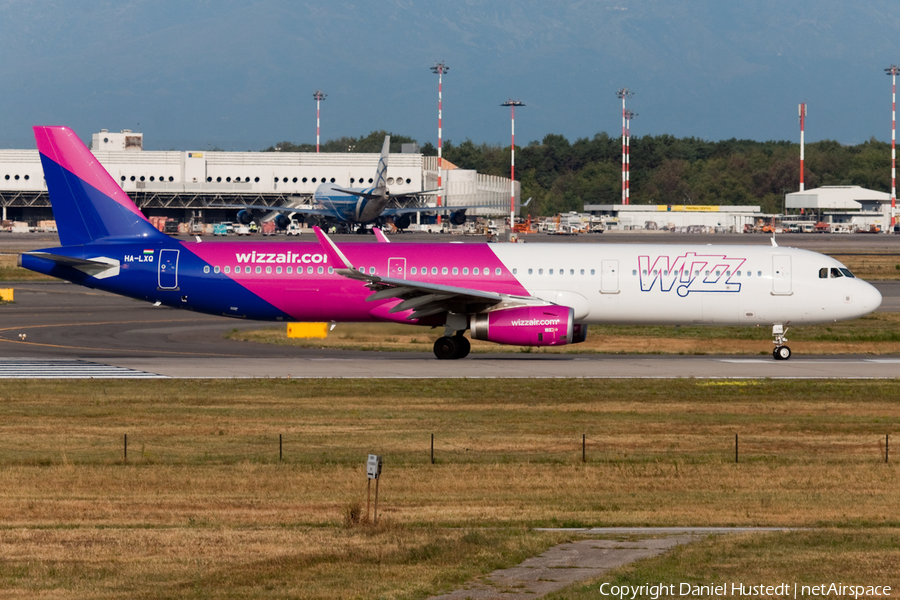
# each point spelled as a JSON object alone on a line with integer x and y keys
{"x": 562, "y": 176}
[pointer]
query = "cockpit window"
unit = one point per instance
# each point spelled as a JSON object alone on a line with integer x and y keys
{"x": 835, "y": 272}
{"x": 823, "y": 273}
{"x": 847, "y": 272}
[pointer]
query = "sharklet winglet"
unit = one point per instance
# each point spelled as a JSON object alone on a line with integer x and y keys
{"x": 379, "y": 235}
{"x": 335, "y": 256}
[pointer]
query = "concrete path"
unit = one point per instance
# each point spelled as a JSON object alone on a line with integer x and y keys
{"x": 570, "y": 563}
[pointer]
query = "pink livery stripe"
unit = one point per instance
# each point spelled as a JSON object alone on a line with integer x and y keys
{"x": 62, "y": 146}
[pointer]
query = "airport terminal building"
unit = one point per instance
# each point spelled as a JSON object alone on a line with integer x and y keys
{"x": 184, "y": 185}
{"x": 684, "y": 218}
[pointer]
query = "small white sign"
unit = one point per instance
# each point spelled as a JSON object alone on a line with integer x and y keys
{"x": 373, "y": 466}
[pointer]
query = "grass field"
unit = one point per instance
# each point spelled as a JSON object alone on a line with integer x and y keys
{"x": 203, "y": 507}
{"x": 810, "y": 558}
{"x": 10, "y": 271}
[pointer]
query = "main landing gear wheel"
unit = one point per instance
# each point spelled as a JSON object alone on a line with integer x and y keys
{"x": 464, "y": 346}
{"x": 781, "y": 353}
{"x": 451, "y": 348}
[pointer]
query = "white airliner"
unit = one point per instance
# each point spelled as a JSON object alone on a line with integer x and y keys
{"x": 519, "y": 294}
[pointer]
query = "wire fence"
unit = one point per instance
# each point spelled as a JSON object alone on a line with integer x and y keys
{"x": 448, "y": 448}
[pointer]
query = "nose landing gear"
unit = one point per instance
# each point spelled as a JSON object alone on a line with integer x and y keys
{"x": 781, "y": 352}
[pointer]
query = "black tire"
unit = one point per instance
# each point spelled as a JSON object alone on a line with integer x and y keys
{"x": 782, "y": 353}
{"x": 464, "y": 346}
{"x": 446, "y": 348}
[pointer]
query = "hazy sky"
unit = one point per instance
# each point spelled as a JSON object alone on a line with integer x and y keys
{"x": 241, "y": 73}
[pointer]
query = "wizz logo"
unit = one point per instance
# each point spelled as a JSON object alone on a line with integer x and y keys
{"x": 690, "y": 272}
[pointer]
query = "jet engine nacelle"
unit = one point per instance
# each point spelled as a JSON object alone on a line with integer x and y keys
{"x": 245, "y": 217}
{"x": 549, "y": 325}
{"x": 458, "y": 217}
{"x": 282, "y": 221}
{"x": 402, "y": 221}
{"x": 580, "y": 333}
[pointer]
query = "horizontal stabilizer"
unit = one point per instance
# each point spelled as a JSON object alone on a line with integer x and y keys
{"x": 99, "y": 267}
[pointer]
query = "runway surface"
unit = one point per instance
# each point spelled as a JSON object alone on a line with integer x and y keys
{"x": 63, "y": 330}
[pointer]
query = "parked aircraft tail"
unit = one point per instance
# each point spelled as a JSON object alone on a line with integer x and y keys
{"x": 88, "y": 203}
{"x": 381, "y": 174}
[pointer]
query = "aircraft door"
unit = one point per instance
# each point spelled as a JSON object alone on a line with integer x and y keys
{"x": 397, "y": 268}
{"x": 609, "y": 277}
{"x": 168, "y": 269}
{"x": 781, "y": 275}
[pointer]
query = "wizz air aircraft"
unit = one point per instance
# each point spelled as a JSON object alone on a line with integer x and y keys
{"x": 518, "y": 294}
{"x": 348, "y": 207}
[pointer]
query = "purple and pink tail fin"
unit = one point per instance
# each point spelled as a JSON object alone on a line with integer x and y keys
{"x": 88, "y": 204}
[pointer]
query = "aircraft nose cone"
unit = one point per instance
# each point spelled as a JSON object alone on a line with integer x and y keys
{"x": 870, "y": 298}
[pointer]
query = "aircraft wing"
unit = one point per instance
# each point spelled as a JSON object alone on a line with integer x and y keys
{"x": 424, "y": 299}
{"x": 365, "y": 195}
{"x": 319, "y": 212}
{"x": 370, "y": 196}
{"x": 389, "y": 212}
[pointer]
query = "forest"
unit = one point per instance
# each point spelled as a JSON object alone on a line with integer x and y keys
{"x": 562, "y": 176}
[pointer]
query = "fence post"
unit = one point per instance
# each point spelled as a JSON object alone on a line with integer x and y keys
{"x": 735, "y": 448}
{"x": 280, "y": 455}
{"x": 583, "y": 452}
{"x": 887, "y": 438}
{"x": 432, "y": 448}
{"x": 125, "y": 448}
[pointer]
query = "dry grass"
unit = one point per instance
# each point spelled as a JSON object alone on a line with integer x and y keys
{"x": 807, "y": 558}
{"x": 880, "y": 267}
{"x": 10, "y": 271}
{"x": 204, "y": 507}
{"x": 877, "y": 333}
